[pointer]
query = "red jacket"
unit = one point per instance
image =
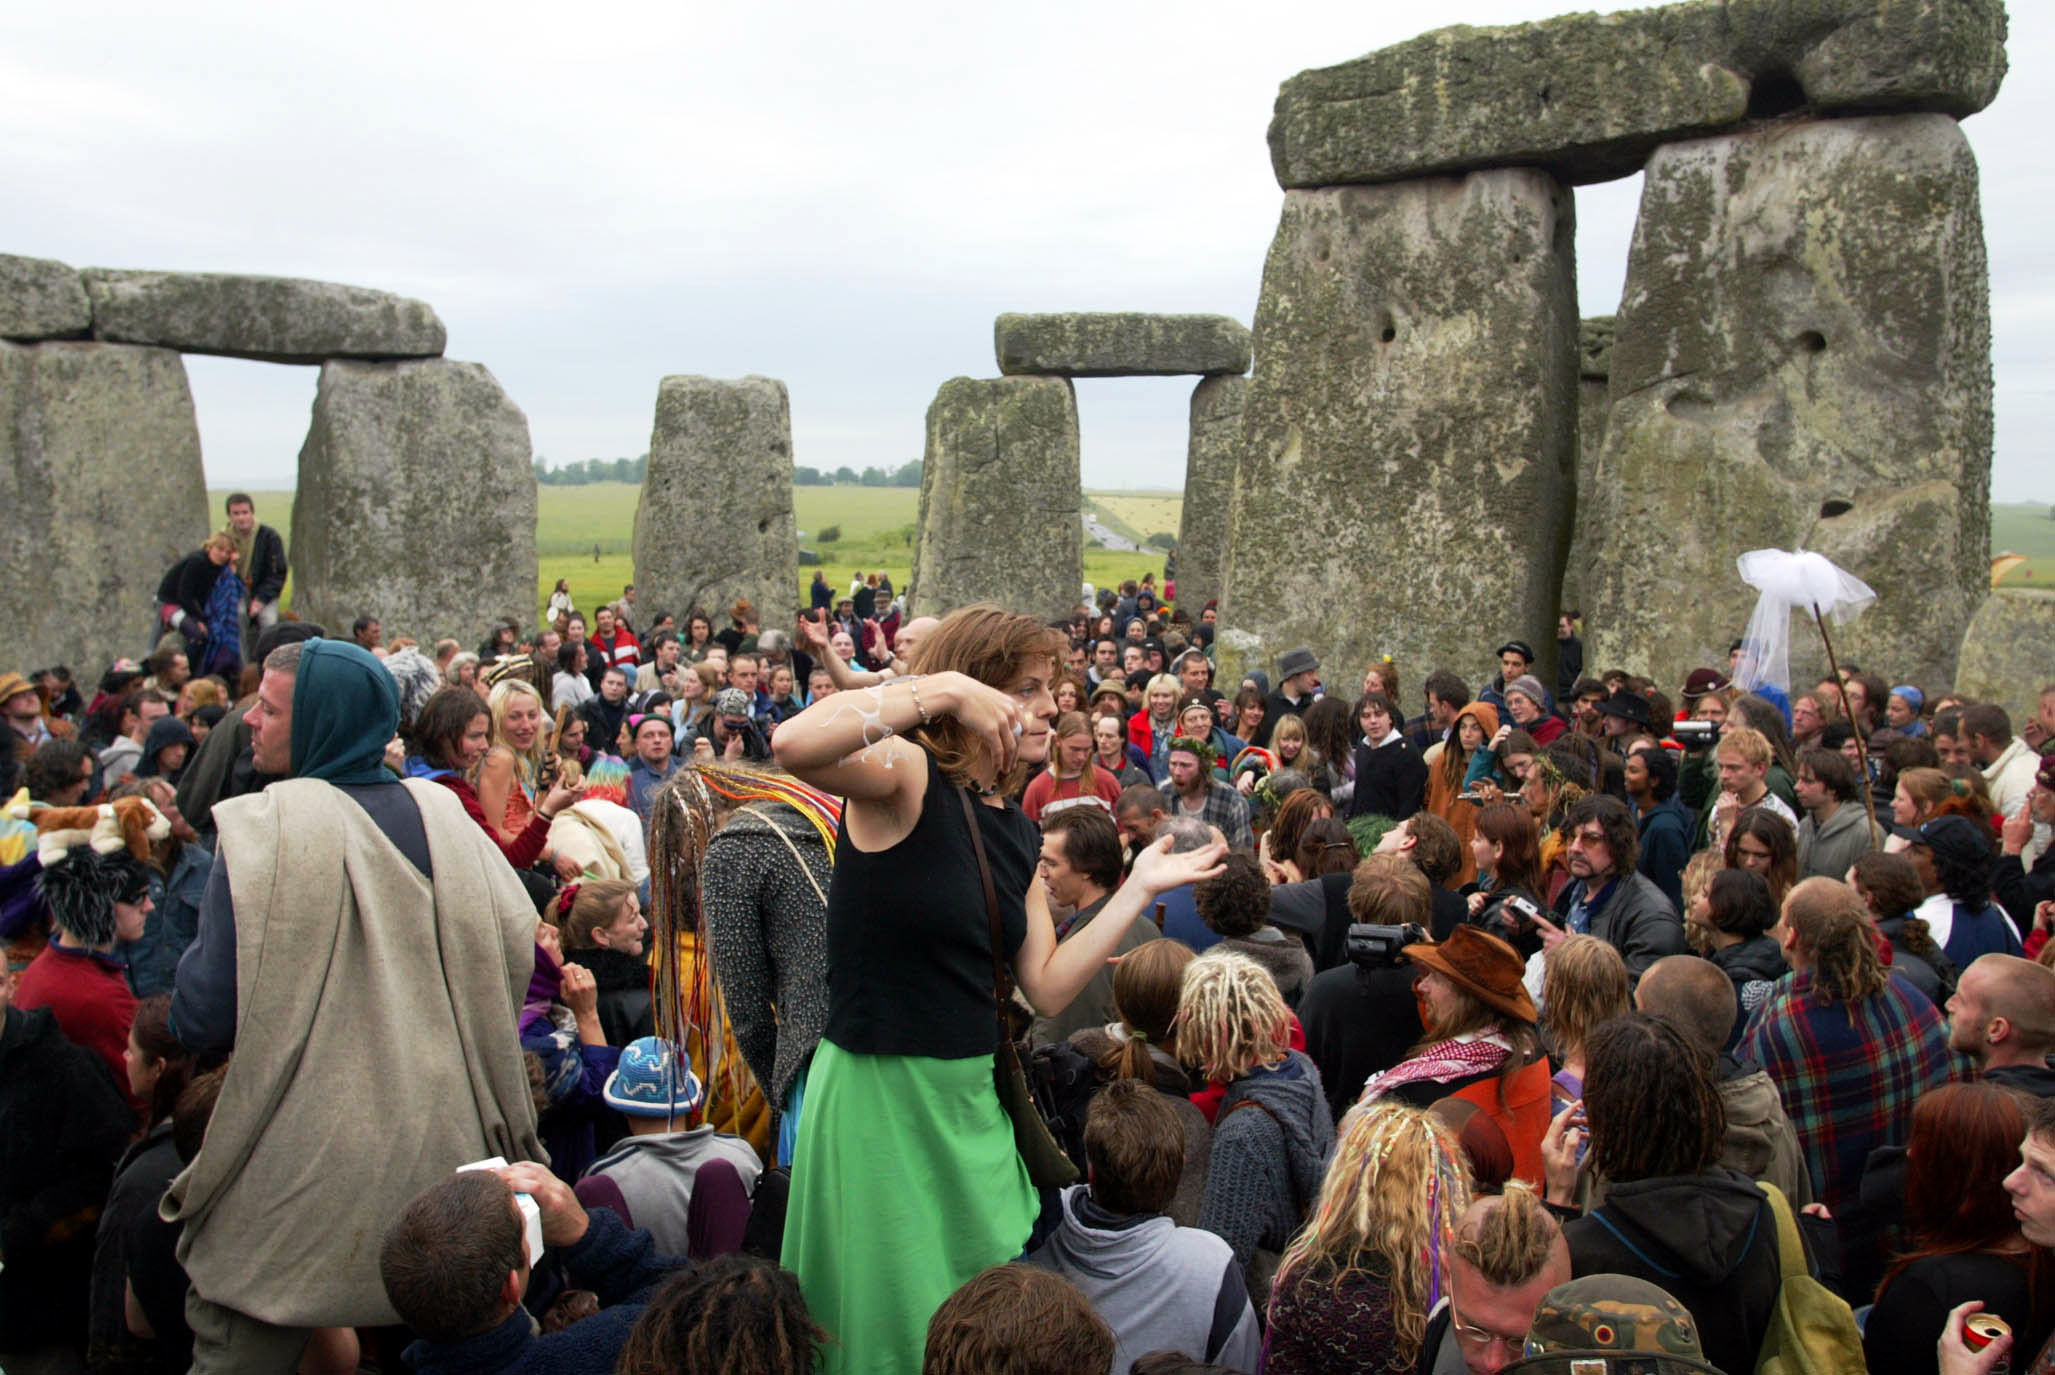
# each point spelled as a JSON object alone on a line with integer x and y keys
{"x": 89, "y": 996}
{"x": 522, "y": 850}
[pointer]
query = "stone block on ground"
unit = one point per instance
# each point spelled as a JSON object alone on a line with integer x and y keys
{"x": 415, "y": 502}
{"x": 1404, "y": 485}
{"x": 100, "y": 476}
{"x": 1807, "y": 316}
{"x": 714, "y": 522}
{"x": 1213, "y": 449}
{"x": 1000, "y": 503}
{"x": 2004, "y": 656}
{"x": 1120, "y": 344}
{"x": 271, "y": 319}
{"x": 1590, "y": 96}
{"x": 41, "y": 298}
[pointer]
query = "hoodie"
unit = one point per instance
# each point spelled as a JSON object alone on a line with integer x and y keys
{"x": 1269, "y": 1158}
{"x": 1159, "y": 1286}
{"x": 1710, "y": 1239}
{"x": 1760, "y": 1141}
{"x": 165, "y": 732}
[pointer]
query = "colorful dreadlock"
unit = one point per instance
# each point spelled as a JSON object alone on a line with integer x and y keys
{"x": 683, "y": 819}
{"x": 1396, "y": 1188}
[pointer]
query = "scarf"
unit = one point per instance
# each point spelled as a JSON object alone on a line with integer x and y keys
{"x": 245, "y": 554}
{"x": 543, "y": 986}
{"x": 1460, "y": 1058}
{"x": 346, "y": 707}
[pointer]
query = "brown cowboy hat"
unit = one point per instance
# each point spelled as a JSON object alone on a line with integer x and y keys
{"x": 1481, "y": 965}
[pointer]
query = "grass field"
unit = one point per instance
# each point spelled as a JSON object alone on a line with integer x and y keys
{"x": 876, "y": 524}
{"x": 877, "y": 531}
{"x": 2025, "y": 529}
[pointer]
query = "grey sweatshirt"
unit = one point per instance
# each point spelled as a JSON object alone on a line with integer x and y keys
{"x": 1159, "y": 1286}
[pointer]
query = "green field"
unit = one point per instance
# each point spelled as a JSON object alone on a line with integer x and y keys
{"x": 876, "y": 534}
{"x": 2025, "y": 529}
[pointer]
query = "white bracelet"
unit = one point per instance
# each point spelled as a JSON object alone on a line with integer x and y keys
{"x": 913, "y": 686}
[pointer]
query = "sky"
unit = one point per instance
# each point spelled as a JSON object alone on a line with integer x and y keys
{"x": 842, "y": 197}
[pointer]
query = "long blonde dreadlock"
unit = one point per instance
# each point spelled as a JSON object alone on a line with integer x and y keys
{"x": 1396, "y": 1189}
{"x": 683, "y": 818}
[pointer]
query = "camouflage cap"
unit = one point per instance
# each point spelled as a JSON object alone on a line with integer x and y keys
{"x": 1611, "y": 1325}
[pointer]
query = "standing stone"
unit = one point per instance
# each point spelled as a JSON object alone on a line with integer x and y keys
{"x": 415, "y": 502}
{"x": 1587, "y": 535}
{"x": 1404, "y": 486}
{"x": 41, "y": 299}
{"x": 715, "y": 520}
{"x": 270, "y": 319}
{"x": 1001, "y": 511}
{"x": 1120, "y": 345}
{"x": 1215, "y": 445}
{"x": 2005, "y": 651}
{"x": 1588, "y": 96}
{"x": 1807, "y": 315}
{"x": 100, "y": 477}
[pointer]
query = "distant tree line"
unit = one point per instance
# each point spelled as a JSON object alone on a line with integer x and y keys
{"x": 579, "y": 473}
{"x": 591, "y": 470}
{"x": 907, "y": 475}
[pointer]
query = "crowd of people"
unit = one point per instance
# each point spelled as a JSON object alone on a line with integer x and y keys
{"x": 672, "y": 992}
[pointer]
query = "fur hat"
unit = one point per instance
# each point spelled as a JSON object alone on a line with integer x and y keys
{"x": 81, "y": 893}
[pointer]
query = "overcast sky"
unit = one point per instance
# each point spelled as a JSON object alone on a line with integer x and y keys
{"x": 594, "y": 198}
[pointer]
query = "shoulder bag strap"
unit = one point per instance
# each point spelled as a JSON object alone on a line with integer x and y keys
{"x": 1790, "y": 1245}
{"x": 1002, "y": 980}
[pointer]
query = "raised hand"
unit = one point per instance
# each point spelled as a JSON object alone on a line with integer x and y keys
{"x": 1158, "y": 870}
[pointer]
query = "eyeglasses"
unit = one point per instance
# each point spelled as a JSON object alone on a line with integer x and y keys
{"x": 1483, "y": 1339}
{"x": 1585, "y": 840}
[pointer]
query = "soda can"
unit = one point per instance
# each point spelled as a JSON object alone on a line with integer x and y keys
{"x": 1979, "y": 1330}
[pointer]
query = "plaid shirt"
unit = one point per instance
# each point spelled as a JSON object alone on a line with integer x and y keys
{"x": 1225, "y": 808}
{"x": 1848, "y": 1074}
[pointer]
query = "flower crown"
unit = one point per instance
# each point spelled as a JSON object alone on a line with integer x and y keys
{"x": 1203, "y": 748}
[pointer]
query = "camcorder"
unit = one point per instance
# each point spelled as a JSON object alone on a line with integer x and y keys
{"x": 1382, "y": 947}
{"x": 1694, "y": 735}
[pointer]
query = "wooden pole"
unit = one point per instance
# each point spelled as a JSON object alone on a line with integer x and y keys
{"x": 1869, "y": 810}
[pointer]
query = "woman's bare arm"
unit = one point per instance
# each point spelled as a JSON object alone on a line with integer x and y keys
{"x": 1053, "y": 974}
{"x": 495, "y": 785}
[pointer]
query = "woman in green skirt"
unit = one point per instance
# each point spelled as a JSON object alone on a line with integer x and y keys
{"x": 905, "y": 1181}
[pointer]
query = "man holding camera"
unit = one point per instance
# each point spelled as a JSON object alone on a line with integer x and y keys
{"x": 1360, "y": 1017}
{"x": 1607, "y": 896}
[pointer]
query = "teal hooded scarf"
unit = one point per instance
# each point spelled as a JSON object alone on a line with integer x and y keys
{"x": 346, "y": 708}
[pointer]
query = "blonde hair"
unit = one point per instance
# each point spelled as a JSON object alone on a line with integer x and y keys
{"x": 597, "y": 904}
{"x": 528, "y": 763}
{"x": 1750, "y": 744}
{"x": 1164, "y": 682}
{"x": 1584, "y": 984}
{"x": 1230, "y": 1017}
{"x": 1395, "y": 1189}
{"x": 224, "y": 540}
{"x": 1291, "y": 727}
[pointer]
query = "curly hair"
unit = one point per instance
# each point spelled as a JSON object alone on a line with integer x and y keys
{"x": 1016, "y": 1320}
{"x": 732, "y": 1315}
{"x": 1653, "y": 1103}
{"x": 1237, "y": 902}
{"x": 1890, "y": 885}
{"x": 1396, "y": 1188}
{"x": 1230, "y": 1017}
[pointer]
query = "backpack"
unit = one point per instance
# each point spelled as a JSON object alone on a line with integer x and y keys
{"x": 1062, "y": 1081}
{"x": 1812, "y": 1331}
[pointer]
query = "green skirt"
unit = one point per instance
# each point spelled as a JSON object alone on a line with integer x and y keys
{"x": 905, "y": 1184}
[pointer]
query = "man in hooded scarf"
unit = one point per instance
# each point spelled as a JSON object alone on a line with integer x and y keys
{"x": 375, "y": 1049}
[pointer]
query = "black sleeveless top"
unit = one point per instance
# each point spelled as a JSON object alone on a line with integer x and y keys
{"x": 909, "y": 945}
